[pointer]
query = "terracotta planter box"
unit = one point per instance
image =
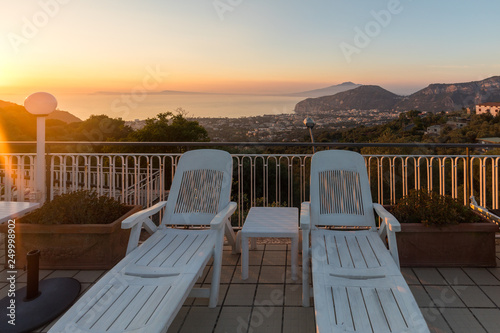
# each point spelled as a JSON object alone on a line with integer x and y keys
{"x": 72, "y": 246}
{"x": 466, "y": 244}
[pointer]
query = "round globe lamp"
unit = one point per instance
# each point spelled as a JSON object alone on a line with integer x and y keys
{"x": 40, "y": 104}
{"x": 310, "y": 125}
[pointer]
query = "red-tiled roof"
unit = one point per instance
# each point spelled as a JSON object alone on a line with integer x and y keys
{"x": 489, "y": 104}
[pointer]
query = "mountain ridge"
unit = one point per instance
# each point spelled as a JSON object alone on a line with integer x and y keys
{"x": 374, "y": 97}
{"x": 331, "y": 90}
{"x": 61, "y": 115}
{"x": 434, "y": 98}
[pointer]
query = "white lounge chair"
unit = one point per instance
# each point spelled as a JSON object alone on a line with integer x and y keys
{"x": 357, "y": 284}
{"x": 144, "y": 291}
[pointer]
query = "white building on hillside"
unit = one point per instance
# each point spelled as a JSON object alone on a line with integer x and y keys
{"x": 434, "y": 129}
{"x": 493, "y": 108}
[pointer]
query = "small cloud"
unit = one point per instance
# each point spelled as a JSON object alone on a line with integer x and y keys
{"x": 451, "y": 66}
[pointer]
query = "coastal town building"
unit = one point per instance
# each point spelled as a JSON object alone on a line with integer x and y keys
{"x": 493, "y": 108}
{"x": 434, "y": 129}
{"x": 437, "y": 129}
{"x": 456, "y": 124}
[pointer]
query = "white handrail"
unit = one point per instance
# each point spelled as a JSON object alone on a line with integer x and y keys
{"x": 259, "y": 179}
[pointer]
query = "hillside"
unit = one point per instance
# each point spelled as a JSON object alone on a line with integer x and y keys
{"x": 64, "y": 116}
{"x": 433, "y": 98}
{"x": 331, "y": 90}
{"x": 361, "y": 98}
{"x": 451, "y": 97}
{"x": 412, "y": 127}
{"x": 18, "y": 124}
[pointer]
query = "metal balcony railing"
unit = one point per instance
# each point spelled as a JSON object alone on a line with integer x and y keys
{"x": 258, "y": 179}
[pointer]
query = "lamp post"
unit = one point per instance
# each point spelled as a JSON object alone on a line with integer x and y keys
{"x": 40, "y": 104}
{"x": 310, "y": 124}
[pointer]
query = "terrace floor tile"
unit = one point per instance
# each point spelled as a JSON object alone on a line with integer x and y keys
{"x": 451, "y": 299}
{"x": 240, "y": 294}
{"x": 493, "y": 293}
{"x": 178, "y": 320}
{"x": 482, "y": 276}
{"x": 204, "y": 301}
{"x": 254, "y": 257}
{"x": 274, "y": 258}
{"x": 233, "y": 319}
{"x": 429, "y": 276}
{"x": 435, "y": 320}
{"x": 473, "y": 296}
{"x": 229, "y": 258}
{"x": 226, "y": 274}
{"x": 200, "y": 320}
{"x": 421, "y": 296}
{"x": 455, "y": 276}
{"x": 489, "y": 319}
{"x": 270, "y": 295}
{"x": 293, "y": 295}
{"x": 272, "y": 274}
{"x": 253, "y": 275}
{"x": 275, "y": 247}
{"x": 409, "y": 275}
{"x": 462, "y": 320}
{"x": 299, "y": 320}
{"x": 89, "y": 275}
{"x": 444, "y": 297}
{"x": 266, "y": 319}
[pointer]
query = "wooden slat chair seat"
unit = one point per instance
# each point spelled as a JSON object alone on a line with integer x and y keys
{"x": 351, "y": 252}
{"x": 146, "y": 289}
{"x": 377, "y": 305}
{"x": 357, "y": 284}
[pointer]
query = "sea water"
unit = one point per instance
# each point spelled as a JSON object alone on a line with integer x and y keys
{"x": 130, "y": 107}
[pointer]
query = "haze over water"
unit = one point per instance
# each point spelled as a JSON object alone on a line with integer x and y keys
{"x": 197, "y": 105}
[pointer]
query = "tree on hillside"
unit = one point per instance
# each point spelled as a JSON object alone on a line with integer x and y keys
{"x": 400, "y": 131}
{"x": 57, "y": 130}
{"x": 101, "y": 128}
{"x": 170, "y": 127}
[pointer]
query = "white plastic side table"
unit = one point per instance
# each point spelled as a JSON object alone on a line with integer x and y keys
{"x": 279, "y": 222}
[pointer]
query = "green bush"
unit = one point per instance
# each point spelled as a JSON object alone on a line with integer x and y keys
{"x": 79, "y": 207}
{"x": 420, "y": 206}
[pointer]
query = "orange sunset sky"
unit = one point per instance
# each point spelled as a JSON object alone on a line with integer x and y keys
{"x": 244, "y": 46}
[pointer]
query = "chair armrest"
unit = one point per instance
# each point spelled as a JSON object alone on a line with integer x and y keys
{"x": 139, "y": 217}
{"x": 305, "y": 217}
{"x": 219, "y": 219}
{"x": 389, "y": 226}
{"x": 137, "y": 221}
{"x": 391, "y": 222}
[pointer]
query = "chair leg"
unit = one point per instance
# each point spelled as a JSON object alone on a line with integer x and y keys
{"x": 216, "y": 271}
{"x": 295, "y": 252}
{"x": 305, "y": 270}
{"x": 244, "y": 257}
{"x": 253, "y": 243}
{"x": 237, "y": 247}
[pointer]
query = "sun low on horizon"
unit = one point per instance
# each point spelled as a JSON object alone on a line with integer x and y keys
{"x": 243, "y": 46}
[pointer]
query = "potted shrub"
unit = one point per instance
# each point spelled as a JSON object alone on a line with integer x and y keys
{"x": 439, "y": 231}
{"x": 78, "y": 230}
